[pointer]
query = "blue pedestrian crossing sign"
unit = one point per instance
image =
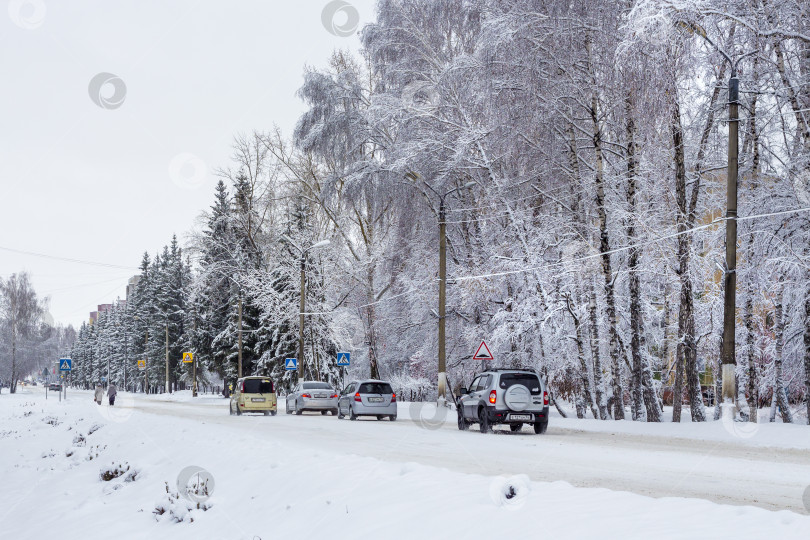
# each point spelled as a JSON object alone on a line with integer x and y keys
{"x": 291, "y": 364}
{"x": 344, "y": 358}
{"x": 65, "y": 364}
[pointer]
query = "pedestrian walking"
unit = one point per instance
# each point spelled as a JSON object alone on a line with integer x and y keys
{"x": 99, "y": 393}
{"x": 111, "y": 393}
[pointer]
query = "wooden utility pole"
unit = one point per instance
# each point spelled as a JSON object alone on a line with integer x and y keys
{"x": 442, "y": 299}
{"x": 240, "y": 335}
{"x": 728, "y": 354}
{"x": 301, "y": 306}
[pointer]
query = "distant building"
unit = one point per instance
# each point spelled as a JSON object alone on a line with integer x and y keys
{"x": 132, "y": 284}
{"x": 102, "y": 308}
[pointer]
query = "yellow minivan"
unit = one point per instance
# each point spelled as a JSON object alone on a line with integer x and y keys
{"x": 253, "y": 394}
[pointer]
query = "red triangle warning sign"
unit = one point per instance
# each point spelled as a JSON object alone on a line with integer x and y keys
{"x": 483, "y": 352}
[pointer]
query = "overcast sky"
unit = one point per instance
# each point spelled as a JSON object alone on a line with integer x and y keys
{"x": 103, "y": 177}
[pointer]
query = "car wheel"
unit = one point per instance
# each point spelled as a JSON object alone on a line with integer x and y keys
{"x": 380, "y": 417}
{"x": 238, "y": 410}
{"x": 352, "y": 416}
{"x": 483, "y": 420}
{"x": 297, "y": 410}
{"x": 272, "y": 413}
{"x": 393, "y": 417}
{"x": 266, "y": 413}
{"x": 335, "y": 412}
{"x": 324, "y": 413}
{"x": 463, "y": 424}
{"x": 540, "y": 427}
{"x": 515, "y": 427}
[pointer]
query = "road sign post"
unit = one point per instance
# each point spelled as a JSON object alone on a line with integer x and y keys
{"x": 483, "y": 354}
{"x": 344, "y": 359}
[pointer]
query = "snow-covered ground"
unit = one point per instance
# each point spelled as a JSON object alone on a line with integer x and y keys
{"x": 314, "y": 476}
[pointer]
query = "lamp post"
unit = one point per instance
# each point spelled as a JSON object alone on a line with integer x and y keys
{"x": 302, "y": 300}
{"x": 442, "y": 353}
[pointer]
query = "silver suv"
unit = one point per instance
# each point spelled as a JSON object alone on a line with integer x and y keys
{"x": 504, "y": 396}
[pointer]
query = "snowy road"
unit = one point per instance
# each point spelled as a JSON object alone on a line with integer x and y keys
{"x": 312, "y": 476}
{"x": 726, "y": 470}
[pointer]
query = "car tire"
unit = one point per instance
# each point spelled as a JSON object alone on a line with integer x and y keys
{"x": 238, "y": 410}
{"x": 352, "y": 416}
{"x": 515, "y": 427}
{"x": 335, "y": 412}
{"x": 266, "y": 413}
{"x": 540, "y": 427}
{"x": 463, "y": 424}
{"x": 324, "y": 413}
{"x": 483, "y": 421}
{"x": 380, "y": 417}
{"x": 272, "y": 413}
{"x": 297, "y": 410}
{"x": 393, "y": 417}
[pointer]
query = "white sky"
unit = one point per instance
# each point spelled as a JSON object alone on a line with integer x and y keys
{"x": 83, "y": 182}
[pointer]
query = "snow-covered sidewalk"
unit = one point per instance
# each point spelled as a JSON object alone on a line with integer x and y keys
{"x": 300, "y": 476}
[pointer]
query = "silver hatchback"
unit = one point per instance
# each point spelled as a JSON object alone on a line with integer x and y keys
{"x": 368, "y": 398}
{"x": 312, "y": 396}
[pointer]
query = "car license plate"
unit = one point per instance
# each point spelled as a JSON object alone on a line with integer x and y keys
{"x": 375, "y": 400}
{"x": 520, "y": 417}
{"x": 320, "y": 396}
{"x": 259, "y": 399}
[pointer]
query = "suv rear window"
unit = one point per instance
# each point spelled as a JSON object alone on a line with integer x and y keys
{"x": 528, "y": 380}
{"x": 258, "y": 386}
{"x": 316, "y": 386}
{"x": 375, "y": 388}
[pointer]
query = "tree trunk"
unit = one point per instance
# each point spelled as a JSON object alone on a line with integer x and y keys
{"x": 601, "y": 402}
{"x": 779, "y": 394}
{"x": 807, "y": 351}
{"x": 753, "y": 397}
{"x": 585, "y": 381}
{"x": 686, "y": 362}
{"x": 607, "y": 272}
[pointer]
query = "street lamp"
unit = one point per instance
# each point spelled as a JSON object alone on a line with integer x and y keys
{"x": 302, "y": 301}
{"x": 442, "y": 382}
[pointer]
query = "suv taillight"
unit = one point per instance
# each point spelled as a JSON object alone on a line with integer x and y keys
{"x": 393, "y": 398}
{"x": 306, "y": 395}
{"x": 334, "y": 396}
{"x": 357, "y": 397}
{"x": 545, "y": 397}
{"x": 493, "y": 396}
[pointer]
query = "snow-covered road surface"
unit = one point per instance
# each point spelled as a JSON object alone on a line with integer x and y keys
{"x": 316, "y": 476}
{"x": 727, "y": 470}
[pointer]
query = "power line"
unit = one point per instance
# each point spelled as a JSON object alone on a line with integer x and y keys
{"x": 625, "y": 248}
{"x": 68, "y": 259}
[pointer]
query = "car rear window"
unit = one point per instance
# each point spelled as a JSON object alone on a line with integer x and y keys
{"x": 528, "y": 380}
{"x": 258, "y": 386}
{"x": 375, "y": 388}
{"x": 317, "y": 386}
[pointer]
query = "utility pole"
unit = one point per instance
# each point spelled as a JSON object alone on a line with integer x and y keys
{"x": 728, "y": 355}
{"x": 442, "y": 396}
{"x": 239, "y": 370}
{"x": 167, "y": 355}
{"x": 442, "y": 382}
{"x": 301, "y": 306}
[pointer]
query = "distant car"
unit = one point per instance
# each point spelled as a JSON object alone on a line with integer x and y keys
{"x": 55, "y": 387}
{"x": 368, "y": 398}
{"x": 312, "y": 396}
{"x": 504, "y": 396}
{"x": 253, "y": 394}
